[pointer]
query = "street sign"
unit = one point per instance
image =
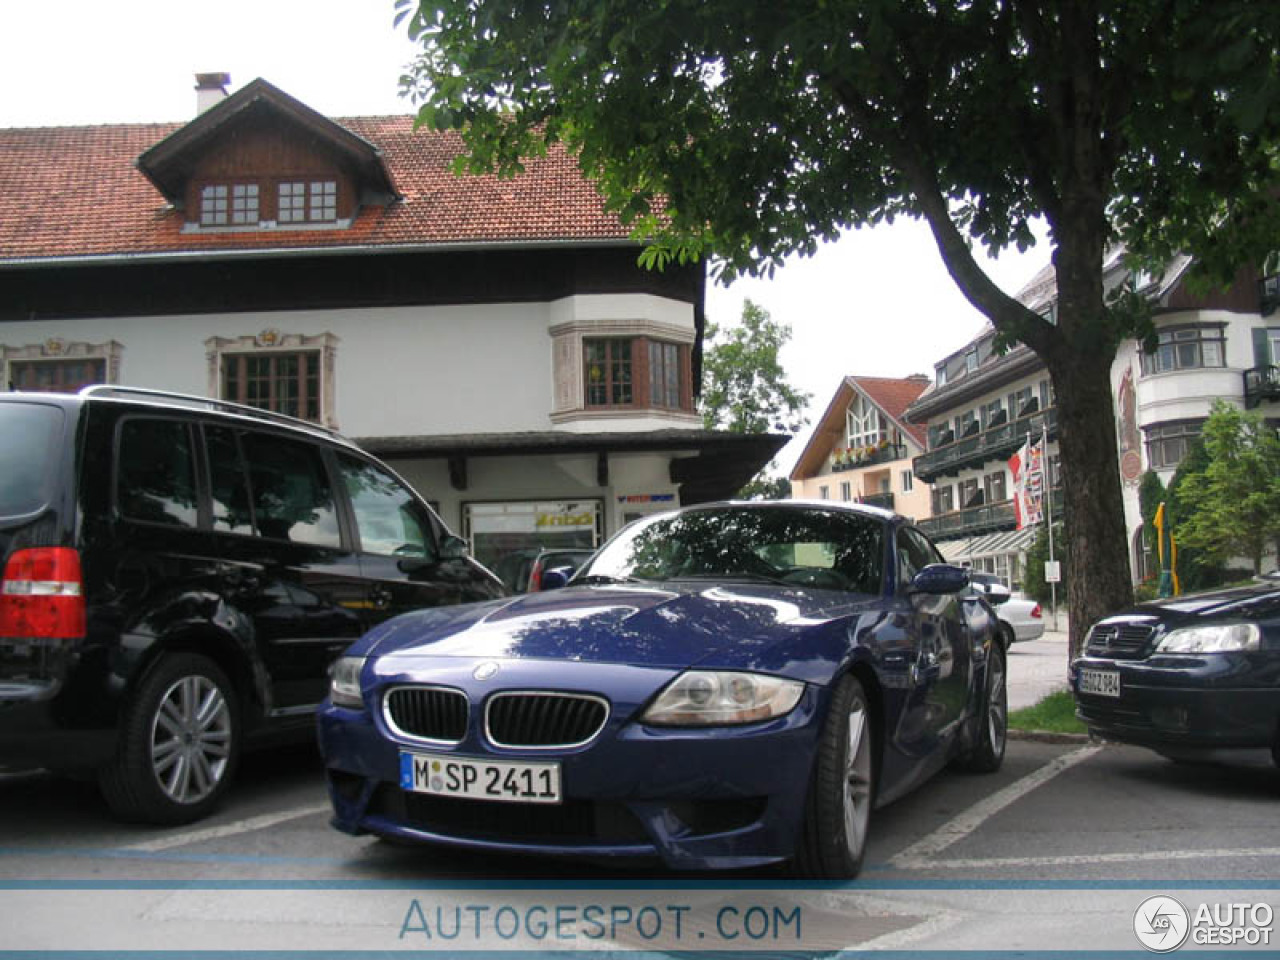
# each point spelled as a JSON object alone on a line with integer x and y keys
{"x": 1053, "y": 571}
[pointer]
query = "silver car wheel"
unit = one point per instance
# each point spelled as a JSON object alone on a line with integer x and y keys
{"x": 191, "y": 739}
{"x": 997, "y": 705}
{"x": 857, "y": 790}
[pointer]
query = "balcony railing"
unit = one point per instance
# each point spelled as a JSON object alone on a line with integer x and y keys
{"x": 894, "y": 451}
{"x": 996, "y": 443}
{"x": 884, "y": 500}
{"x": 1261, "y": 384}
{"x": 974, "y": 521}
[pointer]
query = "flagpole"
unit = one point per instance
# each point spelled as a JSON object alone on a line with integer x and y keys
{"x": 1048, "y": 511}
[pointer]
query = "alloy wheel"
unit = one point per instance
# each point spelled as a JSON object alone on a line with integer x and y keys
{"x": 191, "y": 739}
{"x": 857, "y": 791}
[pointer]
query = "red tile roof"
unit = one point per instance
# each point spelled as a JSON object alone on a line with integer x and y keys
{"x": 75, "y": 192}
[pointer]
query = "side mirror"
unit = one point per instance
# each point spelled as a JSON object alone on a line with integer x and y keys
{"x": 940, "y": 578}
{"x": 452, "y": 548}
{"x": 555, "y": 578}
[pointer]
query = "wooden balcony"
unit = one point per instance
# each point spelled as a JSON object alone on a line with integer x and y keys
{"x": 997, "y": 443}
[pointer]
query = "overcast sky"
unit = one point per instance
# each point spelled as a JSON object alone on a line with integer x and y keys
{"x": 876, "y": 303}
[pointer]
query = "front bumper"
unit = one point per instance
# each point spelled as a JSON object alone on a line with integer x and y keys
{"x": 1212, "y": 701}
{"x": 715, "y": 798}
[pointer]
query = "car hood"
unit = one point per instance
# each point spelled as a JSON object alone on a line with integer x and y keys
{"x": 643, "y": 625}
{"x": 1251, "y": 602}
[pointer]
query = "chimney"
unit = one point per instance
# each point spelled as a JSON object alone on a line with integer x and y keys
{"x": 211, "y": 89}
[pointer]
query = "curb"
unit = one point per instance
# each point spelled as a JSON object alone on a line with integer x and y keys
{"x": 1049, "y": 736}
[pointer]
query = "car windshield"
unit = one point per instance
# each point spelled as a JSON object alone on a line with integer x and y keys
{"x": 28, "y": 439}
{"x": 828, "y": 549}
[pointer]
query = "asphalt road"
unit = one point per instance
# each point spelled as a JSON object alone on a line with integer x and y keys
{"x": 1061, "y": 829}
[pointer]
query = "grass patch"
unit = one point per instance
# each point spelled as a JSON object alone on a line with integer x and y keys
{"x": 1056, "y": 713}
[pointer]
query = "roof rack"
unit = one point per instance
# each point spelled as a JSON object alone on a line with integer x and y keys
{"x": 116, "y": 391}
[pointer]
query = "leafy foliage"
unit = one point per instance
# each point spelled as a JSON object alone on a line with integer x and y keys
{"x": 747, "y": 131}
{"x": 765, "y": 487}
{"x": 1233, "y": 502}
{"x": 1151, "y": 493}
{"x": 744, "y": 388}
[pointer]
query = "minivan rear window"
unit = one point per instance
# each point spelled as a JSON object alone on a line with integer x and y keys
{"x": 29, "y": 435}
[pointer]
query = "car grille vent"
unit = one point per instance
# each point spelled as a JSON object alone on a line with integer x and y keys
{"x": 1125, "y": 641}
{"x": 428, "y": 713}
{"x": 544, "y": 719}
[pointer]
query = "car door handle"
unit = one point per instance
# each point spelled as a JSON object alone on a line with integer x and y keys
{"x": 380, "y": 597}
{"x": 926, "y": 668}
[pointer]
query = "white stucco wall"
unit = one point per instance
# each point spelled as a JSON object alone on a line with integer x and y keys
{"x": 397, "y": 370}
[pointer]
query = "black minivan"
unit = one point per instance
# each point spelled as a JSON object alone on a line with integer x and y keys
{"x": 177, "y": 575}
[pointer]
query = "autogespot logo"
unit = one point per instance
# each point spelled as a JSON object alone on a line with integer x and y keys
{"x": 1161, "y": 924}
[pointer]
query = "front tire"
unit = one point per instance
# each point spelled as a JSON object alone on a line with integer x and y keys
{"x": 987, "y": 753}
{"x": 179, "y": 744}
{"x": 1006, "y": 636}
{"x": 842, "y": 789}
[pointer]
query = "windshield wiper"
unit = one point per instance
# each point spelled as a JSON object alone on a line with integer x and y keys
{"x": 604, "y": 578}
{"x": 736, "y": 575}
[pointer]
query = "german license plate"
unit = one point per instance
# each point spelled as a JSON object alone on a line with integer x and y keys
{"x": 512, "y": 781}
{"x": 1101, "y": 683}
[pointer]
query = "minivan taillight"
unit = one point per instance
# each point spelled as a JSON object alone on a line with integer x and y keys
{"x": 42, "y": 594}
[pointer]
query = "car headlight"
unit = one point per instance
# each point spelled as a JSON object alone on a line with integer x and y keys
{"x": 716, "y": 698}
{"x": 344, "y": 682}
{"x": 1214, "y": 638}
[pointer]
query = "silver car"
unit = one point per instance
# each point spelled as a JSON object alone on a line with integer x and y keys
{"x": 1020, "y": 618}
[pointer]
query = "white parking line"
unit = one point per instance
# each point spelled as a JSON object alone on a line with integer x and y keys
{"x": 953, "y": 831}
{"x": 1088, "y": 858}
{"x": 226, "y": 830}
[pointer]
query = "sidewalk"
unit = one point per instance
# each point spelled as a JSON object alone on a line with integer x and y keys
{"x": 1038, "y": 667}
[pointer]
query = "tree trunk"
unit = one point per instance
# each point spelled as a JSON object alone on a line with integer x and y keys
{"x": 1099, "y": 582}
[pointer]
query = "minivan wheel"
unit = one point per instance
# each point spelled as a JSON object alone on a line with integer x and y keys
{"x": 179, "y": 743}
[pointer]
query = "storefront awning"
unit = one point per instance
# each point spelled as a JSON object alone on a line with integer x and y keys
{"x": 987, "y": 545}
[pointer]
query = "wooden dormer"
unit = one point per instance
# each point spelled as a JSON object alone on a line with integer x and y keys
{"x": 261, "y": 160}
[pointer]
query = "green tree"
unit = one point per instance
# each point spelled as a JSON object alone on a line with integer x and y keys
{"x": 1234, "y": 502}
{"x": 744, "y": 388}
{"x": 765, "y": 487}
{"x": 749, "y": 130}
{"x": 1196, "y": 570}
{"x": 1033, "y": 582}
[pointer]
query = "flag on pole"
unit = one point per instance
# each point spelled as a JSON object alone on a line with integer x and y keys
{"x": 1027, "y": 469}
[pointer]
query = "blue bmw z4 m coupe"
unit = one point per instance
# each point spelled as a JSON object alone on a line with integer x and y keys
{"x": 725, "y": 686}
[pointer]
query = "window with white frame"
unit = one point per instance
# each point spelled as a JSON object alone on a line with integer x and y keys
{"x": 846, "y": 490}
{"x": 864, "y": 423}
{"x": 1186, "y": 348}
{"x": 908, "y": 480}
{"x": 824, "y": 492}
